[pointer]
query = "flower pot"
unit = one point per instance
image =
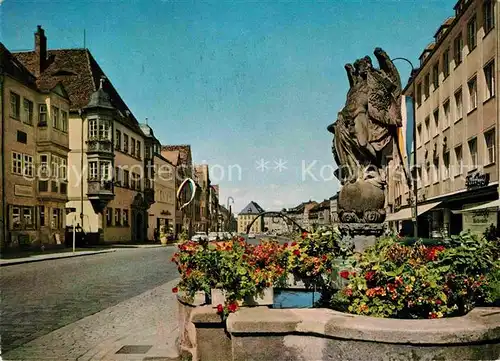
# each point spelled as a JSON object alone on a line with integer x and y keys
{"x": 164, "y": 240}
{"x": 267, "y": 298}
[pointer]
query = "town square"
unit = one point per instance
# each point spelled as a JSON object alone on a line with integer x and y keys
{"x": 249, "y": 180}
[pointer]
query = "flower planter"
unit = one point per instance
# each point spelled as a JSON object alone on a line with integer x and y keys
{"x": 267, "y": 298}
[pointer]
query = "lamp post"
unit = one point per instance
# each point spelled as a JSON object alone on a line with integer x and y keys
{"x": 229, "y": 210}
{"x": 415, "y": 185}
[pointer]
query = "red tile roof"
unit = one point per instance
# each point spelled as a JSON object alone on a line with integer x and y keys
{"x": 11, "y": 66}
{"x": 80, "y": 75}
{"x": 184, "y": 152}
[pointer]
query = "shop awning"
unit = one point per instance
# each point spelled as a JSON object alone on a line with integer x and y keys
{"x": 405, "y": 213}
{"x": 494, "y": 204}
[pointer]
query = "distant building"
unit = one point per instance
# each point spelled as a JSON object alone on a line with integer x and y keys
{"x": 457, "y": 121}
{"x": 247, "y": 215}
{"x": 300, "y": 213}
{"x": 319, "y": 215}
{"x": 275, "y": 225}
{"x": 34, "y": 153}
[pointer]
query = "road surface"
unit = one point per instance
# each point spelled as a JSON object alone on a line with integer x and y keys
{"x": 40, "y": 297}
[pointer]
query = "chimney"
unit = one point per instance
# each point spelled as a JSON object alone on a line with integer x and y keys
{"x": 40, "y": 49}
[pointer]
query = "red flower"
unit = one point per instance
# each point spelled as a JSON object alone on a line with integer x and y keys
{"x": 285, "y": 245}
{"x": 344, "y": 274}
{"x": 241, "y": 239}
{"x": 391, "y": 287}
{"x": 369, "y": 275}
{"x": 348, "y": 292}
{"x": 438, "y": 302}
{"x": 324, "y": 258}
{"x": 294, "y": 244}
{"x": 433, "y": 315}
{"x": 233, "y": 307}
{"x": 220, "y": 308}
{"x": 304, "y": 235}
{"x": 296, "y": 252}
{"x": 175, "y": 290}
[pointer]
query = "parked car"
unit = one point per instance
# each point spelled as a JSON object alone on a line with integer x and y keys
{"x": 251, "y": 236}
{"x": 212, "y": 236}
{"x": 200, "y": 236}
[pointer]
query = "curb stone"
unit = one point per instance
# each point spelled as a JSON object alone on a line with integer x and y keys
{"x": 11, "y": 262}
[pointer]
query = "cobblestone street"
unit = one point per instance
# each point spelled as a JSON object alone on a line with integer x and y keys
{"x": 38, "y": 298}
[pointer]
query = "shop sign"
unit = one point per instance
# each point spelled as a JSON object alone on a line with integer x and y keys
{"x": 477, "y": 180}
{"x": 478, "y": 221}
{"x": 23, "y": 191}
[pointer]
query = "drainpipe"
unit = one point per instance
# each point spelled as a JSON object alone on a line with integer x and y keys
{"x": 4, "y": 230}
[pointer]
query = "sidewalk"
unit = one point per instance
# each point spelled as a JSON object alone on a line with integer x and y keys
{"x": 142, "y": 328}
{"x": 124, "y": 245}
{"x": 49, "y": 256}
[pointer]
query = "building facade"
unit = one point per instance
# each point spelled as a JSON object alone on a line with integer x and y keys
{"x": 161, "y": 214}
{"x": 319, "y": 215}
{"x": 203, "y": 201}
{"x": 109, "y": 192}
{"x": 247, "y": 216}
{"x": 457, "y": 120}
{"x": 34, "y": 154}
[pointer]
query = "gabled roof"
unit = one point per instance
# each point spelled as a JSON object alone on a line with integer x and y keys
{"x": 171, "y": 155}
{"x": 11, "y": 66}
{"x": 80, "y": 75}
{"x": 183, "y": 149}
{"x": 252, "y": 208}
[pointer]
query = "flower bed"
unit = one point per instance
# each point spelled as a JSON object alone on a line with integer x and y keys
{"x": 390, "y": 279}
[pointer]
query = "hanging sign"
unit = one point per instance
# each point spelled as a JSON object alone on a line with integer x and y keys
{"x": 187, "y": 181}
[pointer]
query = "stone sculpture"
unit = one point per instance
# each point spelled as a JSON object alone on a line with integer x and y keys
{"x": 365, "y": 133}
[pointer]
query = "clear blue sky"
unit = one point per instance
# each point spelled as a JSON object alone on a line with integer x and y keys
{"x": 240, "y": 81}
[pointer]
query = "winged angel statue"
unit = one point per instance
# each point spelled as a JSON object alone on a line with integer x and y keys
{"x": 365, "y": 132}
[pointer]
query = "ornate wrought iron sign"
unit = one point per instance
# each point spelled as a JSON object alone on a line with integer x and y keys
{"x": 477, "y": 180}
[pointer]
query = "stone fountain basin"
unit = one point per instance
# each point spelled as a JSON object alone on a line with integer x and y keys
{"x": 262, "y": 333}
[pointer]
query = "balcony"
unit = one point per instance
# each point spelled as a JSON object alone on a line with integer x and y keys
{"x": 99, "y": 192}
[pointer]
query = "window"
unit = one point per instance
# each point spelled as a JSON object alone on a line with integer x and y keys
{"x": 125, "y": 217}
{"x": 63, "y": 188}
{"x": 489, "y": 139}
{"x": 56, "y": 218}
{"x": 42, "y": 114}
{"x": 41, "y": 215}
{"x": 446, "y": 164}
{"x": 22, "y": 137}
{"x": 458, "y": 105}
{"x": 104, "y": 129}
{"x": 488, "y": 15}
{"x": 43, "y": 186}
{"x": 93, "y": 171}
{"x": 117, "y": 175}
{"x": 471, "y": 33}
{"x": 435, "y": 75}
{"x": 133, "y": 184}
{"x": 125, "y": 143}
{"x": 105, "y": 171}
{"x": 55, "y": 118}
{"x": 64, "y": 121}
{"x": 446, "y": 113}
{"x": 473, "y": 152}
{"x": 428, "y": 174}
{"x": 28, "y": 165}
{"x": 489, "y": 80}
{"x": 55, "y": 166}
{"x": 435, "y": 176}
{"x": 472, "y": 86}
{"x": 426, "y": 86}
{"x": 118, "y": 140}
{"x": 28, "y": 216}
{"x": 459, "y": 160}
{"x": 435, "y": 115}
{"x": 446, "y": 63}
{"x": 109, "y": 216}
{"x": 427, "y": 130}
{"x": 16, "y": 218}
{"x": 126, "y": 178}
{"x": 138, "y": 149}
{"x": 17, "y": 163}
{"x": 118, "y": 214}
{"x": 27, "y": 111}
{"x": 63, "y": 168}
{"x": 92, "y": 128}
{"x": 458, "y": 44}
{"x": 54, "y": 187}
{"x": 132, "y": 146}
{"x": 15, "y": 101}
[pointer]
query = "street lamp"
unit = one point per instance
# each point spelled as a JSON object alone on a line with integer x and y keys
{"x": 415, "y": 190}
{"x": 229, "y": 209}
